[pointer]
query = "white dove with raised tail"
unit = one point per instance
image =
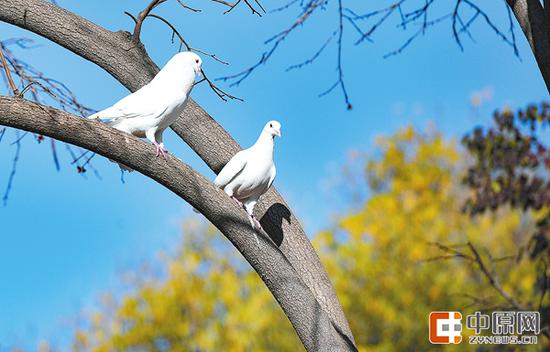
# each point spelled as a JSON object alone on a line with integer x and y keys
{"x": 250, "y": 173}
{"x": 154, "y": 107}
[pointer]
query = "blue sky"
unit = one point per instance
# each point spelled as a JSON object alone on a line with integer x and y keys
{"x": 65, "y": 238}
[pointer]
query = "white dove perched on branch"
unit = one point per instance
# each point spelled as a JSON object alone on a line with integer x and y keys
{"x": 154, "y": 107}
{"x": 250, "y": 173}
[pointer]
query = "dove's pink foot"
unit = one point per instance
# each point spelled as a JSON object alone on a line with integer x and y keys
{"x": 257, "y": 224}
{"x": 160, "y": 150}
{"x": 237, "y": 201}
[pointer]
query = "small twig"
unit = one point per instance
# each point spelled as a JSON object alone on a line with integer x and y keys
{"x": 231, "y": 7}
{"x": 75, "y": 160}
{"x": 416, "y": 35}
{"x": 142, "y": 16}
{"x": 443, "y": 257}
{"x": 284, "y": 7}
{"x": 252, "y": 8}
{"x": 511, "y": 28}
{"x": 340, "y": 68}
{"x": 492, "y": 278}
{"x": 13, "y": 170}
{"x": 224, "y": 3}
{"x": 219, "y": 92}
{"x": 14, "y": 89}
{"x": 89, "y": 159}
{"x": 27, "y": 87}
{"x": 131, "y": 16}
{"x": 54, "y": 155}
{"x": 455, "y": 33}
{"x": 188, "y": 7}
{"x": 122, "y": 176}
{"x": 36, "y": 83}
{"x": 388, "y": 11}
{"x": 259, "y": 5}
{"x": 19, "y": 138}
{"x": 452, "y": 250}
{"x": 488, "y": 21}
{"x": 315, "y": 56}
{"x": 184, "y": 42}
{"x": 276, "y": 40}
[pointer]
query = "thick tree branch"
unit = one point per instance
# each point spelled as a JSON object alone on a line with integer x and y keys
{"x": 311, "y": 322}
{"x": 128, "y": 62}
{"x": 535, "y": 24}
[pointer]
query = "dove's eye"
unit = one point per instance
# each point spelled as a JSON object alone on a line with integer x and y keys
{"x": 270, "y": 125}
{"x": 197, "y": 61}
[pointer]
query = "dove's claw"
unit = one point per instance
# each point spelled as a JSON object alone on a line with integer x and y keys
{"x": 161, "y": 151}
{"x": 257, "y": 224}
{"x": 237, "y": 201}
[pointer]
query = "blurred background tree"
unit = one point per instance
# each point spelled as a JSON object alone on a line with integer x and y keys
{"x": 414, "y": 245}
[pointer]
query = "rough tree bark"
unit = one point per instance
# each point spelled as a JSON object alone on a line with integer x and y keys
{"x": 313, "y": 325}
{"x": 129, "y": 63}
{"x": 534, "y": 20}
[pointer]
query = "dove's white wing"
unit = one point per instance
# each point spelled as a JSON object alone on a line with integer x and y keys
{"x": 142, "y": 103}
{"x": 234, "y": 167}
{"x": 272, "y": 174}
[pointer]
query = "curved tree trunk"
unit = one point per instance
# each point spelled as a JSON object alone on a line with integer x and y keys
{"x": 129, "y": 63}
{"x": 534, "y": 20}
{"x": 313, "y": 325}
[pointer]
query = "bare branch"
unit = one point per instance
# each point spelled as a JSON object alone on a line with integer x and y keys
{"x": 418, "y": 17}
{"x": 315, "y": 56}
{"x": 233, "y": 6}
{"x": 184, "y": 42}
{"x": 37, "y": 83}
{"x": 223, "y": 2}
{"x": 142, "y": 16}
{"x": 491, "y": 25}
{"x": 188, "y": 7}
{"x": 13, "y": 169}
{"x": 219, "y": 92}
{"x": 493, "y": 278}
{"x": 41, "y": 89}
{"x": 276, "y": 39}
{"x": 54, "y": 154}
{"x": 282, "y": 8}
{"x": 8, "y": 72}
{"x": 340, "y": 82}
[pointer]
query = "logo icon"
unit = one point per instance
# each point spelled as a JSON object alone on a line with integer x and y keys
{"x": 445, "y": 327}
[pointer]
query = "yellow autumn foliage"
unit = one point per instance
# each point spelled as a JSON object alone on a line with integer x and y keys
{"x": 392, "y": 261}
